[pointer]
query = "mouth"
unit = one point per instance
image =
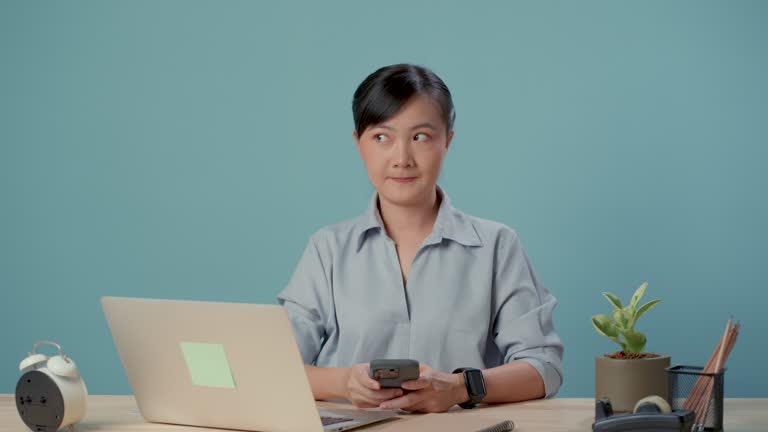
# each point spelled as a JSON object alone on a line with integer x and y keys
{"x": 403, "y": 179}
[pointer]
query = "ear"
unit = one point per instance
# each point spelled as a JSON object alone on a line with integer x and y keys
{"x": 357, "y": 142}
{"x": 448, "y": 141}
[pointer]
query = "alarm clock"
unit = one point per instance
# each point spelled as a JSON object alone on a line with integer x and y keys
{"x": 50, "y": 394}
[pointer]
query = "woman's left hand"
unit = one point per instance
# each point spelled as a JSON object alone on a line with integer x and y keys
{"x": 434, "y": 391}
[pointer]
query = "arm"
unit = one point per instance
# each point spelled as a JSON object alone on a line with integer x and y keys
{"x": 327, "y": 383}
{"x": 511, "y": 382}
{"x": 523, "y": 329}
{"x": 307, "y": 300}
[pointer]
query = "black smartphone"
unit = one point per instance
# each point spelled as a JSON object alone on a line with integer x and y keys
{"x": 393, "y": 372}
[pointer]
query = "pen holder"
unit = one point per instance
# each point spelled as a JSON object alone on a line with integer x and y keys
{"x": 689, "y": 384}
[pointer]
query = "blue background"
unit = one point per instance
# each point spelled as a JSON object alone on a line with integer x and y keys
{"x": 187, "y": 150}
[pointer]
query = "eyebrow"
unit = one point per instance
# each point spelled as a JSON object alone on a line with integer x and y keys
{"x": 418, "y": 126}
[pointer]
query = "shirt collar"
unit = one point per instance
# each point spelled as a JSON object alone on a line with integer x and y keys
{"x": 450, "y": 224}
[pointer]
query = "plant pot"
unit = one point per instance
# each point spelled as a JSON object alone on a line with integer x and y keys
{"x": 625, "y": 382}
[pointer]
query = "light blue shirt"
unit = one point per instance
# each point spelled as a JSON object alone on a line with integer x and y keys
{"x": 472, "y": 298}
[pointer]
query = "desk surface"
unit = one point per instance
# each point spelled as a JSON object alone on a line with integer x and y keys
{"x": 119, "y": 413}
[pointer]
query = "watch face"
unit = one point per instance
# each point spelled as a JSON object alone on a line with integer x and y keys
{"x": 476, "y": 383}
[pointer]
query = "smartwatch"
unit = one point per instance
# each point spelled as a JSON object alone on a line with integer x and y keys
{"x": 473, "y": 379}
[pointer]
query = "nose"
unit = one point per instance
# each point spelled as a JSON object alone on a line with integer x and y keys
{"x": 403, "y": 155}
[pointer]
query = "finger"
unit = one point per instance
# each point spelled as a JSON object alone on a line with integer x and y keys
{"x": 404, "y": 402}
{"x": 417, "y": 384}
{"x": 379, "y": 395}
{"x": 419, "y": 407}
{"x": 366, "y": 381}
{"x": 430, "y": 404}
{"x": 424, "y": 368}
{"x": 361, "y": 401}
{"x": 425, "y": 407}
{"x": 383, "y": 395}
{"x": 360, "y": 398}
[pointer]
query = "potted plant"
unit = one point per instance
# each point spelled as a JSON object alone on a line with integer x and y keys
{"x": 630, "y": 374}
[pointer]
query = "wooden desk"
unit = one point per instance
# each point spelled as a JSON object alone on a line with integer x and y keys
{"x": 119, "y": 413}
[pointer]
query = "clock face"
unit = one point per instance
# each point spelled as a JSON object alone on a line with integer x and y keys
{"x": 39, "y": 402}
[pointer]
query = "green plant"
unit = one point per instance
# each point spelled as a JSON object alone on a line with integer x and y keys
{"x": 622, "y": 321}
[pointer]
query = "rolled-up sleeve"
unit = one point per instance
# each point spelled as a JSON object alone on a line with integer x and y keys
{"x": 307, "y": 301}
{"x": 523, "y": 328}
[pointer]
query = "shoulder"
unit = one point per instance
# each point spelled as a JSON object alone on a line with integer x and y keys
{"x": 493, "y": 234}
{"x": 333, "y": 238}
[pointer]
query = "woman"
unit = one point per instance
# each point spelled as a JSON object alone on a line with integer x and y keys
{"x": 413, "y": 277}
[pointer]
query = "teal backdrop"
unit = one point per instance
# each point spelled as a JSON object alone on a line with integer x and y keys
{"x": 187, "y": 150}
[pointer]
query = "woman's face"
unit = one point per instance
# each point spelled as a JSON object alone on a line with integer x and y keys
{"x": 404, "y": 154}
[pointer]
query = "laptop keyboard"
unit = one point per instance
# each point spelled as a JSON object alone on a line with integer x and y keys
{"x": 333, "y": 420}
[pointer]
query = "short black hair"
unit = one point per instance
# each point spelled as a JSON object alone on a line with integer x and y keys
{"x": 385, "y": 91}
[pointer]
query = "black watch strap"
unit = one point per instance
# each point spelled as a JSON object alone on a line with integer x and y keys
{"x": 473, "y": 379}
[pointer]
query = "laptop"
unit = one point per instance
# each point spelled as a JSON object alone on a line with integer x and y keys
{"x": 222, "y": 365}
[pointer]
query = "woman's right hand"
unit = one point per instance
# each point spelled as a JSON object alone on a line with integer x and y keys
{"x": 364, "y": 391}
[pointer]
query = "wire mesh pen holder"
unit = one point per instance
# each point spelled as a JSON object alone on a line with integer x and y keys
{"x": 692, "y": 388}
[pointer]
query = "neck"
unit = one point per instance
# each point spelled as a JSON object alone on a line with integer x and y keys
{"x": 409, "y": 222}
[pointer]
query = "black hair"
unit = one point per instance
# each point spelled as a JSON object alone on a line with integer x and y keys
{"x": 385, "y": 91}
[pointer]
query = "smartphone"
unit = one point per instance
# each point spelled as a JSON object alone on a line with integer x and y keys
{"x": 393, "y": 372}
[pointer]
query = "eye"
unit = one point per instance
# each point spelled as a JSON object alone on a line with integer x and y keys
{"x": 420, "y": 137}
{"x": 380, "y": 138}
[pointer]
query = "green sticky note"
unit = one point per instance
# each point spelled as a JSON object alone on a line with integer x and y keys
{"x": 207, "y": 364}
